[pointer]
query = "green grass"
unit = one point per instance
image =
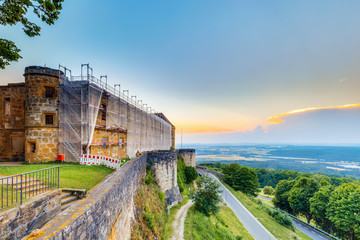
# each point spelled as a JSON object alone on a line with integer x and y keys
{"x": 279, "y": 231}
{"x": 223, "y": 225}
{"x": 72, "y": 175}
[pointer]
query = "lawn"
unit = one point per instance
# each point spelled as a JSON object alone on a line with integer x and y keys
{"x": 223, "y": 225}
{"x": 279, "y": 231}
{"x": 72, "y": 175}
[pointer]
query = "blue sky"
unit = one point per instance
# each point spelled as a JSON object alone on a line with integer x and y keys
{"x": 213, "y": 67}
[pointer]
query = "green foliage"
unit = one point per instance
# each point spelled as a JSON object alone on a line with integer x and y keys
{"x": 13, "y": 12}
{"x": 190, "y": 174}
{"x": 268, "y": 190}
{"x": 282, "y": 194}
{"x": 318, "y": 206}
{"x": 344, "y": 209}
{"x": 300, "y": 194}
{"x": 181, "y": 178}
{"x": 280, "y": 217}
{"x": 149, "y": 176}
{"x": 207, "y": 196}
{"x": 199, "y": 226}
{"x": 161, "y": 196}
{"x": 149, "y": 219}
{"x": 241, "y": 178}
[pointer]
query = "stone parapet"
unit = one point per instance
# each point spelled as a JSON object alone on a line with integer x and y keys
{"x": 107, "y": 212}
{"x": 164, "y": 166}
{"x": 188, "y": 155}
{"x": 15, "y": 222}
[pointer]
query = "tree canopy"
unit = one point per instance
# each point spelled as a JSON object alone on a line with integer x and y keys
{"x": 16, "y": 11}
{"x": 300, "y": 194}
{"x": 207, "y": 196}
{"x": 282, "y": 191}
{"x": 344, "y": 209}
{"x": 241, "y": 178}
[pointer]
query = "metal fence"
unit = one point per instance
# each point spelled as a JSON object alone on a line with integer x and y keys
{"x": 17, "y": 188}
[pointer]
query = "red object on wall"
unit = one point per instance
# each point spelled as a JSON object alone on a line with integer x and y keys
{"x": 61, "y": 157}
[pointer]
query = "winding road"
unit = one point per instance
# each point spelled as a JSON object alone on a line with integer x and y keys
{"x": 252, "y": 225}
{"x": 304, "y": 228}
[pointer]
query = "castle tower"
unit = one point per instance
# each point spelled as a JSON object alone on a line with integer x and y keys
{"x": 41, "y": 114}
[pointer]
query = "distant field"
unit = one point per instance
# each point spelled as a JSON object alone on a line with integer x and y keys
{"x": 331, "y": 160}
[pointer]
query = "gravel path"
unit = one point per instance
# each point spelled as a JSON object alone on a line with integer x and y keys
{"x": 178, "y": 224}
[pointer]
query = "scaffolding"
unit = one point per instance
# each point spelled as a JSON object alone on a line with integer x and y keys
{"x": 92, "y": 113}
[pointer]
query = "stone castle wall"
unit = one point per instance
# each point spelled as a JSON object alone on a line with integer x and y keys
{"x": 41, "y": 137}
{"x": 164, "y": 166}
{"x": 12, "y": 120}
{"x": 188, "y": 155}
{"x": 107, "y": 212}
{"x": 15, "y": 222}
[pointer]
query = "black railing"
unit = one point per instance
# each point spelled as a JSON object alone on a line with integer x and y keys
{"x": 17, "y": 188}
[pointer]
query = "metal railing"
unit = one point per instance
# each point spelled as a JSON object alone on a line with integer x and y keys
{"x": 17, "y": 188}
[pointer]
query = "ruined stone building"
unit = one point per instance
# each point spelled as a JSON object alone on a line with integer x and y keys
{"x": 53, "y": 114}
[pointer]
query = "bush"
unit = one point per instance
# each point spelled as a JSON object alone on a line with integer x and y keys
{"x": 190, "y": 174}
{"x": 280, "y": 217}
{"x": 207, "y": 196}
{"x": 149, "y": 219}
{"x": 149, "y": 177}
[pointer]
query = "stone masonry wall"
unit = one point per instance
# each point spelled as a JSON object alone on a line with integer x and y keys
{"x": 41, "y": 138}
{"x": 188, "y": 155}
{"x": 12, "y": 129}
{"x": 164, "y": 166}
{"x": 113, "y": 151}
{"x": 107, "y": 212}
{"x": 15, "y": 222}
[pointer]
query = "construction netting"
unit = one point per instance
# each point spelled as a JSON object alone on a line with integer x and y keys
{"x": 87, "y": 103}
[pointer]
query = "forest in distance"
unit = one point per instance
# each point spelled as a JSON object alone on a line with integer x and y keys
{"x": 331, "y": 160}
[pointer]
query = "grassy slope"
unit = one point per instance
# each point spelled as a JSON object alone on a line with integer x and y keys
{"x": 224, "y": 225}
{"x": 279, "y": 231}
{"x": 71, "y": 175}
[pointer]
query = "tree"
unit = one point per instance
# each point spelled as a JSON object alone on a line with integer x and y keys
{"x": 282, "y": 191}
{"x": 16, "y": 11}
{"x": 344, "y": 209}
{"x": 268, "y": 190}
{"x": 318, "y": 206}
{"x": 241, "y": 178}
{"x": 207, "y": 196}
{"x": 190, "y": 173}
{"x": 300, "y": 194}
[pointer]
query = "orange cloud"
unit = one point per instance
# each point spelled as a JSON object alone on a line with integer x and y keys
{"x": 277, "y": 118}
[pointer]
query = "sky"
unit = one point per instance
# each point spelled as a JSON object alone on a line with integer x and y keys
{"x": 221, "y": 71}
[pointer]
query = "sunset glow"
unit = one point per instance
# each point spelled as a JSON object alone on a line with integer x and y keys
{"x": 277, "y": 118}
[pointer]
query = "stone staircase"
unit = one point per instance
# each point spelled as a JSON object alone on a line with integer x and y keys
{"x": 69, "y": 196}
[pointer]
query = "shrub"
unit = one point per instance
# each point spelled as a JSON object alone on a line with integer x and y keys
{"x": 149, "y": 176}
{"x": 190, "y": 174}
{"x": 207, "y": 196}
{"x": 149, "y": 219}
{"x": 280, "y": 217}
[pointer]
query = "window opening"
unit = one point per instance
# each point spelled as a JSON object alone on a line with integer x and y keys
{"x": 49, "y": 119}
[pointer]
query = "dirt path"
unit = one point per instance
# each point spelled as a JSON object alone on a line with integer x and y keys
{"x": 178, "y": 224}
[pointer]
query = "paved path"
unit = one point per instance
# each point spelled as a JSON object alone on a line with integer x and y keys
{"x": 178, "y": 224}
{"x": 254, "y": 227}
{"x": 304, "y": 228}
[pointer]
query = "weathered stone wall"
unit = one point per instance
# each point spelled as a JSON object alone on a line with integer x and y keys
{"x": 41, "y": 138}
{"x": 12, "y": 120}
{"x": 107, "y": 212}
{"x": 113, "y": 150}
{"x": 164, "y": 166}
{"x": 188, "y": 155}
{"x": 15, "y": 222}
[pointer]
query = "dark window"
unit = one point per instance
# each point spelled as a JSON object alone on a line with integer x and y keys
{"x": 49, "y": 92}
{"x": 49, "y": 119}
{"x": 7, "y": 106}
{"x": 31, "y": 148}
